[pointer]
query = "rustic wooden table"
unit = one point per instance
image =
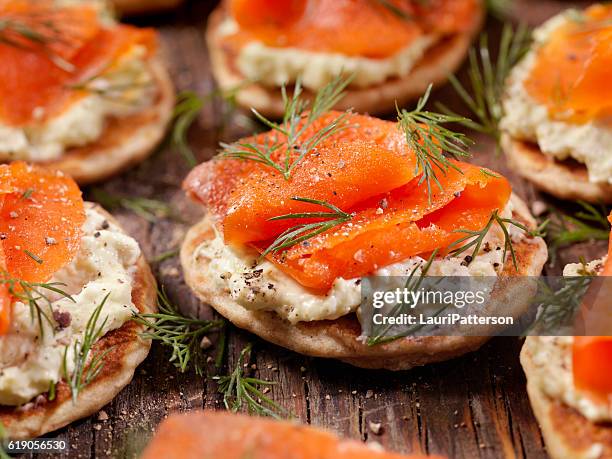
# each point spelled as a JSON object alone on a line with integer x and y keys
{"x": 471, "y": 407}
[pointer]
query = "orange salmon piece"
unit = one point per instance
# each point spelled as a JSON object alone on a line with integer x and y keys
{"x": 343, "y": 176}
{"x": 366, "y": 159}
{"x": 210, "y": 434}
{"x": 38, "y": 78}
{"x": 572, "y": 72}
{"x": 40, "y": 221}
{"x": 592, "y": 366}
{"x": 349, "y": 27}
{"x": 409, "y": 226}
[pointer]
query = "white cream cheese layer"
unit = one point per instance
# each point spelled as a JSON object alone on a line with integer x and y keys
{"x": 552, "y": 358}
{"x": 264, "y": 287}
{"x": 124, "y": 88}
{"x": 105, "y": 264}
{"x": 526, "y": 119}
{"x": 277, "y": 66}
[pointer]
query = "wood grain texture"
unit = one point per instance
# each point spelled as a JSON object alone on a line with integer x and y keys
{"x": 471, "y": 407}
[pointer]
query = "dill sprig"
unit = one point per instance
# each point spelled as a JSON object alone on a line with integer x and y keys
{"x": 3, "y": 440}
{"x": 149, "y": 209}
{"x": 499, "y": 8}
{"x": 475, "y": 239}
{"x": 557, "y": 307}
{"x": 299, "y": 115}
{"x": 87, "y": 366}
{"x": 394, "y": 9}
{"x": 589, "y": 223}
{"x": 117, "y": 92}
{"x": 188, "y": 107}
{"x": 182, "y": 334}
{"x": 431, "y": 141}
{"x": 412, "y": 284}
{"x": 37, "y": 295}
{"x": 304, "y": 231}
{"x": 241, "y": 391}
{"x": 483, "y": 96}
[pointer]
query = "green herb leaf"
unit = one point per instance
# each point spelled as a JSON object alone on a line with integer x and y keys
{"x": 149, "y": 209}
{"x": 241, "y": 391}
{"x": 431, "y": 141}
{"x": 589, "y": 223}
{"x": 182, "y": 334}
{"x": 305, "y": 231}
{"x": 475, "y": 239}
{"x": 285, "y": 154}
{"x": 487, "y": 79}
{"x": 87, "y": 364}
{"x": 37, "y": 295}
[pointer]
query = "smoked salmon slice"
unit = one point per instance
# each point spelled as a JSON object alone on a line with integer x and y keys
{"x": 210, "y": 434}
{"x": 40, "y": 221}
{"x": 39, "y": 74}
{"x": 409, "y": 225}
{"x": 592, "y": 355}
{"x": 572, "y": 72}
{"x": 367, "y": 158}
{"x": 350, "y": 27}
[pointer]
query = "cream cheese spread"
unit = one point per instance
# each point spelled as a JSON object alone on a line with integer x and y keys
{"x": 526, "y": 119}
{"x": 274, "y": 66}
{"x": 31, "y": 361}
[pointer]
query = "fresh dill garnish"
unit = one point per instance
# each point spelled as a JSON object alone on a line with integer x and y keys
{"x": 412, "y": 284}
{"x": 589, "y": 223}
{"x": 241, "y": 391}
{"x": 188, "y": 107}
{"x": 87, "y": 365}
{"x": 483, "y": 96}
{"x": 36, "y": 295}
{"x": 52, "y": 391}
{"x": 33, "y": 256}
{"x": 431, "y": 141}
{"x": 119, "y": 93}
{"x": 27, "y": 194}
{"x": 38, "y": 35}
{"x": 284, "y": 151}
{"x": 499, "y": 8}
{"x": 182, "y": 334}
{"x": 302, "y": 232}
{"x": 3, "y": 440}
{"x": 475, "y": 239}
{"x": 557, "y": 306}
{"x": 488, "y": 173}
{"x": 394, "y": 9}
{"x": 164, "y": 256}
{"x": 149, "y": 209}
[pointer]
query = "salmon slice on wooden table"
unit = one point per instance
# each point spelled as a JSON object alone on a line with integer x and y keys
{"x": 222, "y": 435}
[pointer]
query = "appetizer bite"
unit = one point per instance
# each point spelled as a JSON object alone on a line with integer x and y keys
{"x": 569, "y": 381}
{"x": 70, "y": 281}
{"x": 297, "y": 215}
{"x": 79, "y": 93}
{"x": 556, "y": 128}
{"x": 181, "y": 436}
{"x": 394, "y": 49}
